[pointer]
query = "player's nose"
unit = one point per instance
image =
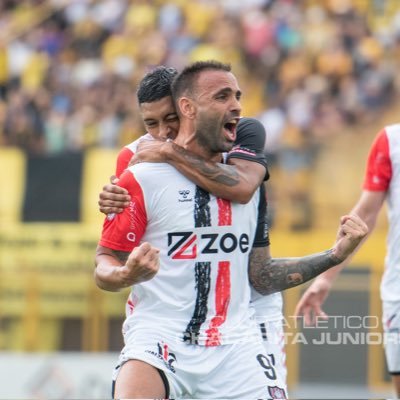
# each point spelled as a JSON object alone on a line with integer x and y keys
{"x": 164, "y": 132}
{"x": 236, "y": 105}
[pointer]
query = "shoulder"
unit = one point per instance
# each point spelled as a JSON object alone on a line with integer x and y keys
{"x": 383, "y": 138}
{"x": 251, "y": 134}
{"x": 133, "y": 145}
{"x": 392, "y": 132}
{"x": 250, "y": 126}
{"x": 250, "y": 123}
{"x": 154, "y": 174}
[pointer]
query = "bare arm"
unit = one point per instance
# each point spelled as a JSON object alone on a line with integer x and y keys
{"x": 236, "y": 182}
{"x": 116, "y": 270}
{"x": 269, "y": 275}
{"x": 367, "y": 208}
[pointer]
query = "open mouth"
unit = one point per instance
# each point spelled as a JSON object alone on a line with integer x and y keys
{"x": 230, "y": 129}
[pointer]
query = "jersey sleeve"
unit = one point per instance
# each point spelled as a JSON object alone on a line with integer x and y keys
{"x": 261, "y": 238}
{"x": 379, "y": 166}
{"x": 124, "y": 156}
{"x": 250, "y": 142}
{"x": 124, "y": 231}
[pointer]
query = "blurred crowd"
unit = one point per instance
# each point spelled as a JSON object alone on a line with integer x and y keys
{"x": 69, "y": 68}
{"x": 307, "y": 68}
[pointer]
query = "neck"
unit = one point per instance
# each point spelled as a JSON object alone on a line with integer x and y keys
{"x": 187, "y": 139}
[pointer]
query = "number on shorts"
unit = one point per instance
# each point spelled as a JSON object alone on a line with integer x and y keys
{"x": 267, "y": 363}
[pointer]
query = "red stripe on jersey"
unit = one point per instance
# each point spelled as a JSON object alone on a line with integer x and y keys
{"x": 124, "y": 156}
{"x": 124, "y": 231}
{"x": 224, "y": 212}
{"x": 129, "y": 306}
{"x": 222, "y": 299}
{"x": 379, "y": 166}
{"x": 165, "y": 355}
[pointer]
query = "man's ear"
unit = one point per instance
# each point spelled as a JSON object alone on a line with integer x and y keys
{"x": 187, "y": 107}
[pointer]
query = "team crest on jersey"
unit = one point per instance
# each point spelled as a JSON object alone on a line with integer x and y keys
{"x": 164, "y": 355}
{"x": 276, "y": 392}
{"x": 110, "y": 217}
{"x": 184, "y": 195}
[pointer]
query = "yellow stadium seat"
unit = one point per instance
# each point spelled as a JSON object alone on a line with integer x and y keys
{"x": 12, "y": 177}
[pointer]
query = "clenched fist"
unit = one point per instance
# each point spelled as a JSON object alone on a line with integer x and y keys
{"x": 352, "y": 230}
{"x": 143, "y": 263}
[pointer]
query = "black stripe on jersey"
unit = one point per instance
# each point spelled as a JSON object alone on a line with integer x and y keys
{"x": 263, "y": 330}
{"x": 203, "y": 280}
{"x": 262, "y": 230}
{"x": 202, "y": 213}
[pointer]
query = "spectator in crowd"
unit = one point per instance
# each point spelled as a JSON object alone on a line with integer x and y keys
{"x": 68, "y": 69}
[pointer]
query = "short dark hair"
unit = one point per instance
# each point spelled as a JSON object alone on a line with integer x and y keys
{"x": 156, "y": 84}
{"x": 185, "y": 81}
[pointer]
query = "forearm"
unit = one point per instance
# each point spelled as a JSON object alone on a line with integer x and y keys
{"x": 109, "y": 272}
{"x": 110, "y": 278}
{"x": 277, "y": 274}
{"x": 331, "y": 274}
{"x": 224, "y": 181}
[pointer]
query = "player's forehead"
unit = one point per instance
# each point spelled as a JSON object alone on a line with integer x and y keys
{"x": 214, "y": 81}
{"x": 158, "y": 109}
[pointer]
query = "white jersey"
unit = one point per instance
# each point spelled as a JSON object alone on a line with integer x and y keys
{"x": 201, "y": 293}
{"x": 383, "y": 174}
{"x": 267, "y": 308}
{"x": 127, "y": 152}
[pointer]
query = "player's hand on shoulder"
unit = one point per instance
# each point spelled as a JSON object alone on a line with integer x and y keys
{"x": 113, "y": 198}
{"x": 143, "y": 263}
{"x": 150, "y": 151}
{"x": 352, "y": 231}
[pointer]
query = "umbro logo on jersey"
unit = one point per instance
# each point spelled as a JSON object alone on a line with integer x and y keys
{"x": 184, "y": 196}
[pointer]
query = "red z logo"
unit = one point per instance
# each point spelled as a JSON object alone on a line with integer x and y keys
{"x": 183, "y": 245}
{"x": 187, "y": 240}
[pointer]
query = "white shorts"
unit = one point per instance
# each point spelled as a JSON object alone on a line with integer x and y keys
{"x": 231, "y": 371}
{"x": 273, "y": 337}
{"x": 391, "y": 327}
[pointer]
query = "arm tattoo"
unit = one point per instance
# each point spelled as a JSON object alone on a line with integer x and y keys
{"x": 220, "y": 173}
{"x": 276, "y": 274}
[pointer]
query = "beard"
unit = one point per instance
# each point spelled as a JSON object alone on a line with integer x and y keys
{"x": 209, "y": 135}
